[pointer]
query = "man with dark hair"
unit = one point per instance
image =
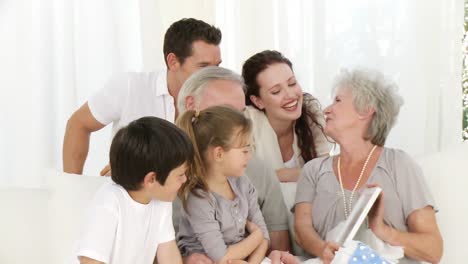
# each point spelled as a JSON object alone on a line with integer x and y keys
{"x": 147, "y": 144}
{"x": 189, "y": 45}
{"x": 130, "y": 219}
{"x": 180, "y": 35}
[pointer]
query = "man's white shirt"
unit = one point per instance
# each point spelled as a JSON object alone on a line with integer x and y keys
{"x": 127, "y": 97}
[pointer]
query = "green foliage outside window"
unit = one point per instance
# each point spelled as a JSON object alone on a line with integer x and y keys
{"x": 465, "y": 76}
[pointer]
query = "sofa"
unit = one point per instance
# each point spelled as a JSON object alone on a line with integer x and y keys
{"x": 40, "y": 225}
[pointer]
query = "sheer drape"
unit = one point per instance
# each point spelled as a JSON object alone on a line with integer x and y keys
{"x": 417, "y": 43}
{"x": 54, "y": 54}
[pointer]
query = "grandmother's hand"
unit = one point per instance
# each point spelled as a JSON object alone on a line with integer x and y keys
{"x": 376, "y": 217}
{"x": 328, "y": 251}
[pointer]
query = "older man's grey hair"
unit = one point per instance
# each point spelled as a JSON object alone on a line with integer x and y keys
{"x": 196, "y": 83}
{"x": 371, "y": 89}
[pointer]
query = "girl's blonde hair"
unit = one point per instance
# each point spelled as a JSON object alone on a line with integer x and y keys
{"x": 217, "y": 126}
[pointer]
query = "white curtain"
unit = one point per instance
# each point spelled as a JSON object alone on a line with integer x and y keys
{"x": 416, "y": 43}
{"x": 54, "y": 54}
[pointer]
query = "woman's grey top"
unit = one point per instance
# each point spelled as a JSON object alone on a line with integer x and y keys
{"x": 211, "y": 222}
{"x": 401, "y": 179}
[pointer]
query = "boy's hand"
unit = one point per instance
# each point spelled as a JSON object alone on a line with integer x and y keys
{"x": 106, "y": 171}
{"x": 86, "y": 260}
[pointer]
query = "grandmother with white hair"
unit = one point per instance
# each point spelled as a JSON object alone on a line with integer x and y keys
{"x": 364, "y": 110}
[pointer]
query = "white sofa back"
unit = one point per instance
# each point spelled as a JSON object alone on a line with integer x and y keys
{"x": 40, "y": 225}
{"x": 23, "y": 225}
{"x": 447, "y": 175}
{"x": 69, "y": 197}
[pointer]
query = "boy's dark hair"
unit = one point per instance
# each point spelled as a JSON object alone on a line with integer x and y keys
{"x": 149, "y": 144}
{"x": 181, "y": 34}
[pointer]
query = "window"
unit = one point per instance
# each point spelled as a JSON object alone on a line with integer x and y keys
{"x": 465, "y": 76}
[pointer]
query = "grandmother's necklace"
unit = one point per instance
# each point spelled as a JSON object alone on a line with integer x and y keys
{"x": 346, "y": 208}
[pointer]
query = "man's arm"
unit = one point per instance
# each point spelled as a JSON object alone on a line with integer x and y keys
{"x": 86, "y": 260}
{"x": 168, "y": 253}
{"x": 76, "y": 141}
{"x": 279, "y": 240}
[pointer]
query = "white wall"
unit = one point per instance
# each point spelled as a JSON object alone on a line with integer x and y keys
{"x": 157, "y": 16}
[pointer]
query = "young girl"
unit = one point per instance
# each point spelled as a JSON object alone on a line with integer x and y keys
{"x": 221, "y": 217}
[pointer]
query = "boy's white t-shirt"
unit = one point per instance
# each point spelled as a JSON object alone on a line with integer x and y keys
{"x": 121, "y": 230}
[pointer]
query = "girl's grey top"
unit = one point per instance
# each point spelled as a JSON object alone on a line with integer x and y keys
{"x": 211, "y": 222}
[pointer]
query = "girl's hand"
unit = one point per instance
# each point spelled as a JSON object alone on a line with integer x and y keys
{"x": 275, "y": 257}
{"x": 197, "y": 258}
{"x": 237, "y": 261}
{"x": 288, "y": 258}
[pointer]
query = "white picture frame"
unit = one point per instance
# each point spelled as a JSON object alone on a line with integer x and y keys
{"x": 359, "y": 212}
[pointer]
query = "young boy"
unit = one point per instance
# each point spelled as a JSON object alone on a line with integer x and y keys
{"x": 130, "y": 220}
